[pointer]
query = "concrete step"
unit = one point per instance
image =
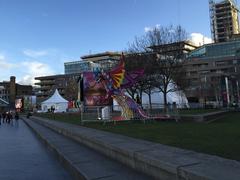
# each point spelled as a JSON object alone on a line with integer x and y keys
{"x": 81, "y": 161}
{"x": 157, "y": 160}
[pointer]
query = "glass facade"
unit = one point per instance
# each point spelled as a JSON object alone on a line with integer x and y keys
{"x": 217, "y": 50}
{"x": 84, "y": 66}
{"x": 76, "y": 67}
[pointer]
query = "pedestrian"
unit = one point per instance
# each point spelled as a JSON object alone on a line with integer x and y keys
{"x": 138, "y": 101}
{"x": 16, "y": 116}
{"x": 7, "y": 117}
{"x": 11, "y": 118}
{"x": 4, "y": 116}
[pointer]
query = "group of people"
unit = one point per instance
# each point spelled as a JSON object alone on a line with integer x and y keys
{"x": 8, "y": 117}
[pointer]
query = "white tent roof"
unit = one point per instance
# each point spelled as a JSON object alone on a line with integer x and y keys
{"x": 55, "y": 98}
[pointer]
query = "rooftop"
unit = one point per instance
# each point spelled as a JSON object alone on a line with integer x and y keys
{"x": 107, "y": 53}
{"x": 55, "y": 76}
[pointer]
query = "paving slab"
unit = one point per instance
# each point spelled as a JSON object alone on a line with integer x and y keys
{"x": 24, "y": 157}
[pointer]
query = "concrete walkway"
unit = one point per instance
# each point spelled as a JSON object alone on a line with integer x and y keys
{"x": 24, "y": 157}
{"x": 156, "y": 160}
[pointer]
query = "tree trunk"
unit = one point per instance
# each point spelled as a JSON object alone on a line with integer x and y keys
{"x": 165, "y": 101}
{"x": 150, "y": 101}
{"x": 141, "y": 96}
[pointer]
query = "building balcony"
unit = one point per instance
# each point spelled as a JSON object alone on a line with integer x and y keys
{"x": 45, "y": 83}
{"x": 45, "y": 88}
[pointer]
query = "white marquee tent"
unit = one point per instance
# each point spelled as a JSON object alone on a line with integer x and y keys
{"x": 57, "y": 101}
{"x": 157, "y": 98}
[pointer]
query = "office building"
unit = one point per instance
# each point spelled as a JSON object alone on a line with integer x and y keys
{"x": 76, "y": 67}
{"x": 67, "y": 85}
{"x": 105, "y": 61}
{"x": 224, "y": 19}
{"x": 10, "y": 91}
{"x": 213, "y": 73}
{"x": 177, "y": 49}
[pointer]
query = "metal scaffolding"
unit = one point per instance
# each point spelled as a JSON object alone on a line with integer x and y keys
{"x": 223, "y": 19}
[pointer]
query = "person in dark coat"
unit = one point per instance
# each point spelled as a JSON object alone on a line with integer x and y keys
{"x": 138, "y": 101}
{"x": 16, "y": 116}
{"x": 4, "y": 116}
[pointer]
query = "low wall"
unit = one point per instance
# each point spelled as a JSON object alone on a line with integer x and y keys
{"x": 206, "y": 117}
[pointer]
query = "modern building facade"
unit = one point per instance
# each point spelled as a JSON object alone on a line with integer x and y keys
{"x": 105, "y": 61}
{"x": 213, "y": 73}
{"x": 76, "y": 67}
{"x": 10, "y": 91}
{"x": 67, "y": 85}
{"x": 177, "y": 49}
{"x": 224, "y": 19}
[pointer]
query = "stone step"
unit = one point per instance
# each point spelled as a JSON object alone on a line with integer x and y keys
{"x": 157, "y": 160}
{"x": 81, "y": 161}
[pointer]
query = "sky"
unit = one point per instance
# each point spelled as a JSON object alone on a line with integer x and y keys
{"x": 38, "y": 36}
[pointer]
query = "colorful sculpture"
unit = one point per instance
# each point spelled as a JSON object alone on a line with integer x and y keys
{"x": 115, "y": 81}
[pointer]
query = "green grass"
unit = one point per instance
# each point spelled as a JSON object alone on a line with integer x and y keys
{"x": 73, "y": 118}
{"x": 220, "y": 138}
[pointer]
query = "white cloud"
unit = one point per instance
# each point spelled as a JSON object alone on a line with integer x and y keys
{"x": 157, "y": 26}
{"x": 147, "y": 29}
{"x": 199, "y": 39}
{"x": 35, "y": 54}
{"x": 34, "y": 69}
{"x": 4, "y": 65}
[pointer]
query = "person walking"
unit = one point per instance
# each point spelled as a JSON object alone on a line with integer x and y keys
{"x": 4, "y": 116}
{"x": 16, "y": 116}
{"x": 7, "y": 117}
{"x": 138, "y": 100}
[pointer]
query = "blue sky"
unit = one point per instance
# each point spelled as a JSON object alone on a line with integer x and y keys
{"x": 38, "y": 36}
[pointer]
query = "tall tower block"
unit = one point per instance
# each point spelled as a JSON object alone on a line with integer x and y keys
{"x": 12, "y": 91}
{"x": 223, "y": 19}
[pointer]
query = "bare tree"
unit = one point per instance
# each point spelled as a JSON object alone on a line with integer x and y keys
{"x": 161, "y": 60}
{"x": 148, "y": 87}
{"x": 145, "y": 84}
{"x": 71, "y": 90}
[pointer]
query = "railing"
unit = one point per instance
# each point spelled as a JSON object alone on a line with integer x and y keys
{"x": 117, "y": 113}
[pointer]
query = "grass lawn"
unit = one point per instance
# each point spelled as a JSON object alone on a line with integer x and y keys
{"x": 220, "y": 138}
{"x": 73, "y": 118}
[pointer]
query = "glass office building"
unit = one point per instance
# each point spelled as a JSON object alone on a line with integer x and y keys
{"x": 76, "y": 67}
{"x": 213, "y": 71}
{"x": 105, "y": 61}
{"x": 217, "y": 50}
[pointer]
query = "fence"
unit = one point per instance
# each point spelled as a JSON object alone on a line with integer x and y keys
{"x": 117, "y": 113}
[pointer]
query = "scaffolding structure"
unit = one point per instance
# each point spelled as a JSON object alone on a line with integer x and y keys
{"x": 223, "y": 19}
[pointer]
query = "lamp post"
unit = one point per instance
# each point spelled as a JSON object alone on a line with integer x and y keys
{"x": 227, "y": 91}
{"x": 237, "y": 84}
{"x": 80, "y": 96}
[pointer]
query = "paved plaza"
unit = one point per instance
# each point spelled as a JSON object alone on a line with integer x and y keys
{"x": 24, "y": 157}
